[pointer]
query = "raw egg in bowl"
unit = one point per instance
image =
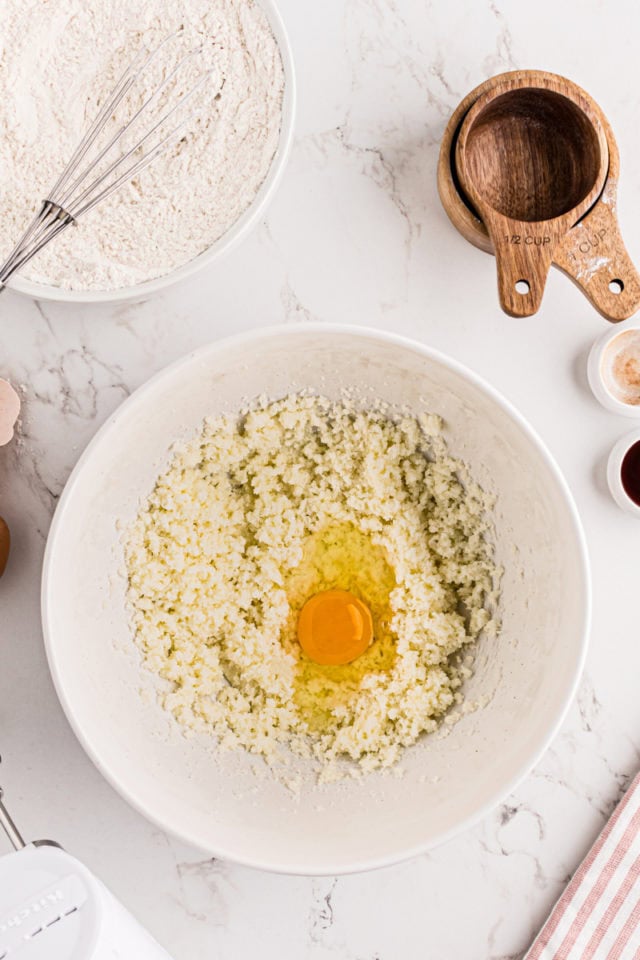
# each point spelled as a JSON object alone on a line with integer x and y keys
{"x": 228, "y": 804}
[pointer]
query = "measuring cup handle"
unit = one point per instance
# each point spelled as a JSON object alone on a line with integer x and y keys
{"x": 524, "y": 254}
{"x": 593, "y": 254}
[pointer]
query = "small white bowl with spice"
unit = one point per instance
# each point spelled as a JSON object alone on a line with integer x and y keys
{"x": 189, "y": 207}
{"x": 613, "y": 369}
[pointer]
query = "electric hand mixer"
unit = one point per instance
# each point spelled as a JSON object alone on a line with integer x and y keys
{"x": 53, "y": 908}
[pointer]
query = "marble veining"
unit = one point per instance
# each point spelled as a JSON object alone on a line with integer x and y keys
{"x": 356, "y": 234}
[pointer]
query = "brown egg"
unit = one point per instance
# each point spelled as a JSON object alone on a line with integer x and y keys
{"x": 5, "y": 543}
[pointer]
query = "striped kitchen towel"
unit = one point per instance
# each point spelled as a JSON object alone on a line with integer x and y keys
{"x": 598, "y": 915}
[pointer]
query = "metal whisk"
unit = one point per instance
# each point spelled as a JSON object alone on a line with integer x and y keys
{"x": 80, "y": 187}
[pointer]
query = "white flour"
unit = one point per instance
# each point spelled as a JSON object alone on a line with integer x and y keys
{"x": 60, "y": 58}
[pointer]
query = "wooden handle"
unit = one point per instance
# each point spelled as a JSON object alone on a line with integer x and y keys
{"x": 524, "y": 253}
{"x": 593, "y": 254}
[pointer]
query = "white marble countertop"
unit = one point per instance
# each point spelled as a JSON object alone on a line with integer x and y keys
{"x": 356, "y": 234}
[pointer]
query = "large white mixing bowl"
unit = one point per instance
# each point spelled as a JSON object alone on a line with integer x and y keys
{"x": 236, "y": 232}
{"x": 527, "y": 675}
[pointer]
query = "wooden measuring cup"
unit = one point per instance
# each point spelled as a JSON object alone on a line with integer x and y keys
{"x": 532, "y": 157}
{"x": 592, "y": 254}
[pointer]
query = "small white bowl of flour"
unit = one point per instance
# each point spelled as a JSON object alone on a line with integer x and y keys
{"x": 191, "y": 205}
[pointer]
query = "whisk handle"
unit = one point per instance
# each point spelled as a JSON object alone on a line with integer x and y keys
{"x": 9, "y": 826}
{"x": 50, "y": 221}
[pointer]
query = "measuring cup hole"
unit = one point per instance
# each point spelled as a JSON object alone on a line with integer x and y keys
{"x": 522, "y": 287}
{"x": 616, "y": 286}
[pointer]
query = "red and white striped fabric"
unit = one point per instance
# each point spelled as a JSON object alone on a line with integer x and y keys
{"x": 598, "y": 915}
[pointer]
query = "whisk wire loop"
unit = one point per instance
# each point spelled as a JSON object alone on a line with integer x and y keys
{"x": 78, "y": 189}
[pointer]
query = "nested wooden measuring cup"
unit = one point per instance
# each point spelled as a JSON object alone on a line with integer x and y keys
{"x": 535, "y": 155}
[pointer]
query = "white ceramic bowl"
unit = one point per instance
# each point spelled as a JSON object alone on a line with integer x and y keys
{"x": 252, "y": 215}
{"x": 528, "y": 675}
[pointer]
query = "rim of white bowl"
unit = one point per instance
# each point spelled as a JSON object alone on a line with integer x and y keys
{"x": 250, "y": 339}
{"x": 236, "y": 232}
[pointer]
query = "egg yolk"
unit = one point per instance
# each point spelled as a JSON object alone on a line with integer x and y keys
{"x": 334, "y": 627}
